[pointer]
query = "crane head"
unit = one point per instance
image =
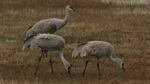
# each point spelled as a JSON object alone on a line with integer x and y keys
{"x": 70, "y": 8}
{"x": 69, "y": 69}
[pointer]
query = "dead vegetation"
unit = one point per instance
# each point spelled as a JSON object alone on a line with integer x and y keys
{"x": 127, "y": 29}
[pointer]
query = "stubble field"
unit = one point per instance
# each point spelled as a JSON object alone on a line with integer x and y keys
{"x": 125, "y": 26}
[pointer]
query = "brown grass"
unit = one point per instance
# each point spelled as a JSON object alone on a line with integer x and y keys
{"x": 126, "y": 27}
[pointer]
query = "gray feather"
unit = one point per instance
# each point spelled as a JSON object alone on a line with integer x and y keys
{"x": 48, "y": 41}
{"x": 47, "y": 25}
{"x": 24, "y": 34}
{"x": 80, "y": 50}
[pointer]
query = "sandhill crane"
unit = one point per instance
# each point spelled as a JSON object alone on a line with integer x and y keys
{"x": 46, "y": 26}
{"x": 96, "y": 49}
{"x": 48, "y": 43}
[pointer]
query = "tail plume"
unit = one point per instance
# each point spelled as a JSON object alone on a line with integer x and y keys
{"x": 79, "y": 51}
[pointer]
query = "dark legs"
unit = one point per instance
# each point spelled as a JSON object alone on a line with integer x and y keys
{"x": 123, "y": 66}
{"x": 39, "y": 60}
{"x": 51, "y": 63}
{"x": 98, "y": 67}
{"x": 85, "y": 67}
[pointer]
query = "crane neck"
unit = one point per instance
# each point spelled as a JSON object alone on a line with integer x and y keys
{"x": 65, "y": 20}
{"x": 116, "y": 60}
{"x": 65, "y": 62}
{"x": 113, "y": 59}
{"x": 67, "y": 16}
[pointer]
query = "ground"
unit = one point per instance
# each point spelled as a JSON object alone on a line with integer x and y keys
{"x": 126, "y": 26}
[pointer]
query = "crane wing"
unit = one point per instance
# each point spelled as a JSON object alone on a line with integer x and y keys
{"x": 45, "y": 27}
{"x": 24, "y": 34}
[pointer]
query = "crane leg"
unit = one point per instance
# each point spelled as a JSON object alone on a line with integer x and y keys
{"x": 85, "y": 67}
{"x": 123, "y": 67}
{"x": 51, "y": 63}
{"x": 46, "y": 55}
{"x": 98, "y": 67}
{"x": 39, "y": 60}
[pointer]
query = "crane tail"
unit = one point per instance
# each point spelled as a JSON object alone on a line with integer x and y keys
{"x": 79, "y": 51}
{"x": 75, "y": 53}
{"x": 26, "y": 45}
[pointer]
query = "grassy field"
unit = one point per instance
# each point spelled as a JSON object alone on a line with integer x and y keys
{"x": 125, "y": 26}
{"x": 131, "y": 2}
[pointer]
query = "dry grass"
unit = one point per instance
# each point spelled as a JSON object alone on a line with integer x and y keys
{"x": 126, "y": 27}
{"x": 128, "y": 2}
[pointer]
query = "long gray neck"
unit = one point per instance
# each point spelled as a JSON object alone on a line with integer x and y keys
{"x": 65, "y": 62}
{"x": 66, "y": 18}
{"x": 116, "y": 60}
{"x": 113, "y": 59}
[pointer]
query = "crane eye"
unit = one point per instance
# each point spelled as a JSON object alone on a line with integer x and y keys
{"x": 71, "y": 7}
